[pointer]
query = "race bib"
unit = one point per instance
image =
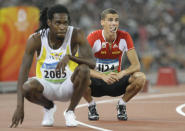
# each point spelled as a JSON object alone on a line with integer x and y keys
{"x": 107, "y": 65}
{"x": 50, "y": 74}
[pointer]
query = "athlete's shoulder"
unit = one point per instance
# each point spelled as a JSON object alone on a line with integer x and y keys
{"x": 76, "y": 29}
{"x": 77, "y": 32}
{"x": 93, "y": 36}
{"x": 123, "y": 33}
{"x": 96, "y": 33}
{"x": 34, "y": 42}
{"x": 78, "y": 35}
{"x": 127, "y": 37}
{"x": 34, "y": 37}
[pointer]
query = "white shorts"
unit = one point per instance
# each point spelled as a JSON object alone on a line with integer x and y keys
{"x": 60, "y": 92}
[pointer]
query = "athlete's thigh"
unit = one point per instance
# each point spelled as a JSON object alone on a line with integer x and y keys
{"x": 119, "y": 88}
{"x": 50, "y": 89}
{"x": 101, "y": 88}
{"x": 33, "y": 84}
{"x": 65, "y": 90}
{"x": 97, "y": 87}
{"x": 80, "y": 72}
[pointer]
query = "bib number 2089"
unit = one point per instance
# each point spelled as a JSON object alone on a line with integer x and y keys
{"x": 54, "y": 74}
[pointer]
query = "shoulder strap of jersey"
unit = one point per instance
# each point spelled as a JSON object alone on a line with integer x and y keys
{"x": 67, "y": 41}
{"x": 44, "y": 40}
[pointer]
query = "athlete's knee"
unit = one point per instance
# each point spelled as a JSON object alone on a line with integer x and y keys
{"x": 137, "y": 76}
{"x": 140, "y": 79}
{"x": 26, "y": 88}
{"x": 30, "y": 88}
{"x": 83, "y": 72}
{"x": 140, "y": 76}
{"x": 87, "y": 91}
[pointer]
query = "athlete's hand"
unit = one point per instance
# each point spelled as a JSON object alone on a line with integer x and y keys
{"x": 18, "y": 117}
{"x": 121, "y": 74}
{"x": 114, "y": 76}
{"x": 62, "y": 63}
{"x": 109, "y": 79}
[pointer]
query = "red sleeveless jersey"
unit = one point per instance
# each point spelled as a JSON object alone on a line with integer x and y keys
{"x": 109, "y": 59}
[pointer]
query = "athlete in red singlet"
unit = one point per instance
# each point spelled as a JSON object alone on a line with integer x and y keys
{"x": 109, "y": 53}
{"x": 108, "y": 46}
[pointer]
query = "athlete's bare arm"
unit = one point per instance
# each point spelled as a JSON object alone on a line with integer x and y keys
{"x": 85, "y": 50}
{"x": 79, "y": 44}
{"x": 135, "y": 64}
{"x": 31, "y": 46}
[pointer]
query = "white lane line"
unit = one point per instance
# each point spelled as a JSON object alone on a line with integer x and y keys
{"x": 136, "y": 98}
{"x": 159, "y": 95}
{"x": 90, "y": 126}
{"x": 93, "y": 127}
{"x": 156, "y": 102}
{"x": 179, "y": 109}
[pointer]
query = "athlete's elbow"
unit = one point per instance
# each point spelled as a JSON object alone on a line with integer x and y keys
{"x": 137, "y": 67}
{"x": 92, "y": 65}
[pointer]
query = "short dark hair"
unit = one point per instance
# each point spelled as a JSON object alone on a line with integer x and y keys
{"x": 107, "y": 11}
{"x": 48, "y": 12}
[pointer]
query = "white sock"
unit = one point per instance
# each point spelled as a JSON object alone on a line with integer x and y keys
{"x": 92, "y": 103}
{"x": 122, "y": 102}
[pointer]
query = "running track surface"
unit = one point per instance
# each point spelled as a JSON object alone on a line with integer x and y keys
{"x": 160, "y": 109}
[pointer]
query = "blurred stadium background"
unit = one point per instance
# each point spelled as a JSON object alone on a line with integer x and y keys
{"x": 156, "y": 26}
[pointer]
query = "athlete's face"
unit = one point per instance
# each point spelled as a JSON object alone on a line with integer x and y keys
{"x": 110, "y": 23}
{"x": 59, "y": 24}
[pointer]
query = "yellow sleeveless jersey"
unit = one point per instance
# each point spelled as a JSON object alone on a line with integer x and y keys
{"x": 49, "y": 58}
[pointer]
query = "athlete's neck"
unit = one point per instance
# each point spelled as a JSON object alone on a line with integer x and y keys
{"x": 54, "y": 42}
{"x": 109, "y": 37}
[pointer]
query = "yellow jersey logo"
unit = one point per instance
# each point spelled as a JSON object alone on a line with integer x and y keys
{"x": 115, "y": 52}
{"x": 103, "y": 52}
{"x": 56, "y": 56}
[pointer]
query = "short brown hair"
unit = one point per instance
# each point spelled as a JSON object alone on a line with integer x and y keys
{"x": 107, "y": 11}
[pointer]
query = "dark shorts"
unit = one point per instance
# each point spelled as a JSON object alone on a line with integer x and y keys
{"x": 100, "y": 88}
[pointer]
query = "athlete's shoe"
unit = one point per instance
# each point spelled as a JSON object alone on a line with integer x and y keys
{"x": 48, "y": 118}
{"x": 70, "y": 118}
{"x": 121, "y": 112}
{"x": 92, "y": 114}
